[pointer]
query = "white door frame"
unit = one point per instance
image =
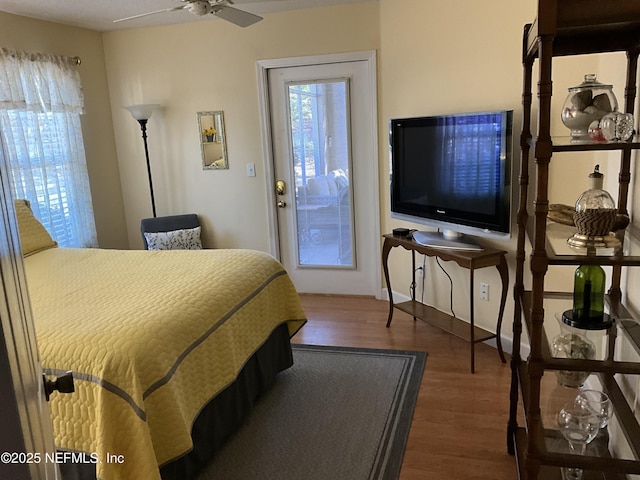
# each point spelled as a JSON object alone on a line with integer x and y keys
{"x": 263, "y": 67}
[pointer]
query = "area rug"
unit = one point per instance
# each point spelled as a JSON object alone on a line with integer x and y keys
{"x": 338, "y": 413}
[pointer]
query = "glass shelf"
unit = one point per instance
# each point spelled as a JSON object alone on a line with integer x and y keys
{"x": 556, "y": 303}
{"x": 614, "y": 451}
{"x": 569, "y": 144}
{"x": 602, "y": 375}
{"x": 611, "y": 441}
{"x": 560, "y": 252}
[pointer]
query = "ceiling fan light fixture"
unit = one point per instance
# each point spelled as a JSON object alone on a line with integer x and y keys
{"x": 200, "y": 7}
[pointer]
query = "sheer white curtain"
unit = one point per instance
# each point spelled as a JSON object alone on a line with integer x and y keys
{"x": 40, "y": 105}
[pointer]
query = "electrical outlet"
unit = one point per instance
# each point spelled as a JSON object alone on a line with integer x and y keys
{"x": 484, "y": 291}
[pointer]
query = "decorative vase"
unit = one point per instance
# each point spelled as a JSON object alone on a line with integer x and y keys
{"x": 577, "y": 347}
{"x": 594, "y": 216}
{"x": 589, "y": 101}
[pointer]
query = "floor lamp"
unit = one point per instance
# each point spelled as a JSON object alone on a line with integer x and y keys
{"x": 142, "y": 113}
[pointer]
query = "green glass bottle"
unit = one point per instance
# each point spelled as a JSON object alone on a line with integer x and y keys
{"x": 588, "y": 295}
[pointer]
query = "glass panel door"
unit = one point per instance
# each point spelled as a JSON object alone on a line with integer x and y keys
{"x": 321, "y": 155}
{"x": 322, "y": 127}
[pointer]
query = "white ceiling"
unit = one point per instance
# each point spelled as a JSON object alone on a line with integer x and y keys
{"x": 99, "y": 14}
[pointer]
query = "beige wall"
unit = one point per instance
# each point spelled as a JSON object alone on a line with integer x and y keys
{"x": 29, "y": 35}
{"x": 439, "y": 57}
{"x": 205, "y": 66}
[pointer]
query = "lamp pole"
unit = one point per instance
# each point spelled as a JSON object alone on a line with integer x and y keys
{"x": 142, "y": 113}
{"x": 143, "y": 127}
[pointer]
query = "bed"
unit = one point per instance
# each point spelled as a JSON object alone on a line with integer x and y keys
{"x": 165, "y": 347}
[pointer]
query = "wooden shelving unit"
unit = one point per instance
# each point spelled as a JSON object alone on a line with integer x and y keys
{"x": 563, "y": 28}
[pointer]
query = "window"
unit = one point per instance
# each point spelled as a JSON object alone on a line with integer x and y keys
{"x": 40, "y": 106}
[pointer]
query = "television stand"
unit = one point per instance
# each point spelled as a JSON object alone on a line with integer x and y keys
{"x": 469, "y": 259}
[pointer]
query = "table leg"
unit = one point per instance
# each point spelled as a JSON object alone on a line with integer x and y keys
{"x": 413, "y": 278}
{"x": 386, "y": 248}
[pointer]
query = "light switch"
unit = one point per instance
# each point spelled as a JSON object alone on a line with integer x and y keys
{"x": 251, "y": 169}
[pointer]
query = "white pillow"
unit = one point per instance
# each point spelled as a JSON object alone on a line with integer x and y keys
{"x": 187, "y": 239}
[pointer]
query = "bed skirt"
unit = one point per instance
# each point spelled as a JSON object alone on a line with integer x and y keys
{"x": 222, "y": 415}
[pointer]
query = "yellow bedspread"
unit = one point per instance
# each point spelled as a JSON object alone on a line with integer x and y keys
{"x": 151, "y": 337}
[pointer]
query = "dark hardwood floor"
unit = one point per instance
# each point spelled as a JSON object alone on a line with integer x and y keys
{"x": 459, "y": 424}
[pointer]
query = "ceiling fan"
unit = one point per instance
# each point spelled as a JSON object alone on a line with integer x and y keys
{"x": 219, "y": 8}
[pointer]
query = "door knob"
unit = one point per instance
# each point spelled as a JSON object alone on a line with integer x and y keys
{"x": 63, "y": 384}
{"x": 281, "y": 187}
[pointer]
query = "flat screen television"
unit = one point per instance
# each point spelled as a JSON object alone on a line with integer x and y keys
{"x": 453, "y": 172}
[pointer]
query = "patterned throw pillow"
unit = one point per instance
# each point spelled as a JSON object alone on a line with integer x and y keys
{"x": 187, "y": 239}
{"x": 33, "y": 236}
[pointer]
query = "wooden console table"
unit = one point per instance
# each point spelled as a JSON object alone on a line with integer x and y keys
{"x": 469, "y": 259}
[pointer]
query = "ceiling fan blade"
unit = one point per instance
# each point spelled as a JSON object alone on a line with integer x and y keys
{"x": 235, "y": 16}
{"x": 173, "y": 9}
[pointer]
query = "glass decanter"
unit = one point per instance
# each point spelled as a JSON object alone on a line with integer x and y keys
{"x": 595, "y": 215}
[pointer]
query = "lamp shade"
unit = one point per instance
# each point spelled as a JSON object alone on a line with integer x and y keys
{"x": 142, "y": 112}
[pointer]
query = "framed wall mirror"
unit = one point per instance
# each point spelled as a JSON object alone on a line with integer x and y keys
{"x": 212, "y": 141}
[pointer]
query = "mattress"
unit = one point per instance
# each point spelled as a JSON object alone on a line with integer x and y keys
{"x": 151, "y": 336}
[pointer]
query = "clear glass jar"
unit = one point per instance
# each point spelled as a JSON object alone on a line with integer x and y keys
{"x": 589, "y": 101}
